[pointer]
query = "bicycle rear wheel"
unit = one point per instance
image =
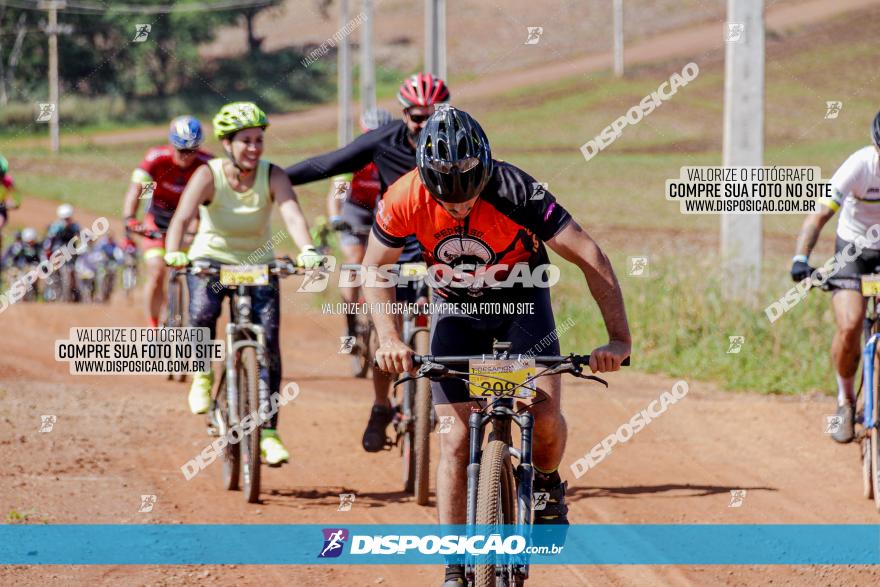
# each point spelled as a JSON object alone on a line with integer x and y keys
{"x": 248, "y": 375}
{"x": 422, "y": 429}
{"x": 129, "y": 280}
{"x": 175, "y": 314}
{"x": 67, "y": 284}
{"x": 182, "y": 315}
{"x": 873, "y": 437}
{"x": 496, "y": 499}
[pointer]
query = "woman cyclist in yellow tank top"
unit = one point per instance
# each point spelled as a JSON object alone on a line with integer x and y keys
{"x": 234, "y": 197}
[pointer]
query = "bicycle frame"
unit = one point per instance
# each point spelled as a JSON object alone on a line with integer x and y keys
{"x": 241, "y": 333}
{"x": 868, "y": 370}
{"x": 501, "y": 416}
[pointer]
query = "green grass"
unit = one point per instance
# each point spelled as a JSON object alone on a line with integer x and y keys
{"x": 679, "y": 318}
{"x": 681, "y": 323}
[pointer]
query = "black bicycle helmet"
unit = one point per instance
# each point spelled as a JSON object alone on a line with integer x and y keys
{"x": 453, "y": 156}
{"x": 875, "y": 130}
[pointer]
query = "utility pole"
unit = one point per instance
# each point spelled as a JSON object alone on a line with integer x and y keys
{"x": 53, "y": 6}
{"x": 618, "y": 38}
{"x": 743, "y": 140}
{"x": 435, "y": 37}
{"x": 344, "y": 79}
{"x": 368, "y": 64}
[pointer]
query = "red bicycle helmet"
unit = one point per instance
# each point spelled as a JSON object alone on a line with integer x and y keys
{"x": 422, "y": 89}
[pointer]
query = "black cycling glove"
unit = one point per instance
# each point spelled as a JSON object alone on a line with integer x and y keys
{"x": 800, "y": 270}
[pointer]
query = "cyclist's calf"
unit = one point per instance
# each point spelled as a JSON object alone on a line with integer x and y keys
{"x": 550, "y": 430}
{"x": 849, "y": 313}
{"x": 452, "y": 469}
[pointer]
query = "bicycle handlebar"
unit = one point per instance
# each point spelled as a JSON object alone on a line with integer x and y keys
{"x": 282, "y": 267}
{"x": 577, "y": 360}
{"x": 342, "y": 226}
{"x": 141, "y": 230}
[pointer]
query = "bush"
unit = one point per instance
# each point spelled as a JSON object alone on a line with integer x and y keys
{"x": 277, "y": 81}
{"x": 680, "y": 323}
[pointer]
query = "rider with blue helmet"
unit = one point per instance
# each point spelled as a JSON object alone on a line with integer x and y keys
{"x": 160, "y": 179}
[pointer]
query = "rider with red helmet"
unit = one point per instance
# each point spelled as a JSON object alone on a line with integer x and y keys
{"x": 392, "y": 148}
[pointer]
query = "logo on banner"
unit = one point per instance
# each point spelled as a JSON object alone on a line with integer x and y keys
{"x": 334, "y": 540}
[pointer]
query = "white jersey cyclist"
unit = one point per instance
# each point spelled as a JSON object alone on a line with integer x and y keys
{"x": 855, "y": 191}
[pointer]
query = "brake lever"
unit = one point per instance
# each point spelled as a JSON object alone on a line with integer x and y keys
{"x": 426, "y": 370}
{"x": 580, "y": 375}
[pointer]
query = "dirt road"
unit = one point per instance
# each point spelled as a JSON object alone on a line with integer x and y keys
{"x": 117, "y": 438}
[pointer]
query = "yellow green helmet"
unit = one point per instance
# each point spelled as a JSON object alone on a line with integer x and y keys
{"x": 238, "y": 116}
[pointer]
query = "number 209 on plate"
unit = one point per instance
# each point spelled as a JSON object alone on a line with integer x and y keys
{"x": 494, "y": 378}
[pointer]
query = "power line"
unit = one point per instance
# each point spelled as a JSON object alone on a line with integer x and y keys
{"x": 98, "y": 8}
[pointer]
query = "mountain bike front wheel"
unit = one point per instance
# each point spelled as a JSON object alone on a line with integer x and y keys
{"x": 248, "y": 373}
{"x": 873, "y": 436}
{"x": 232, "y": 451}
{"x": 496, "y": 503}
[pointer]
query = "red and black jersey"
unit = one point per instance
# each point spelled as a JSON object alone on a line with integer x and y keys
{"x": 170, "y": 180}
{"x": 366, "y": 187}
{"x": 508, "y": 224}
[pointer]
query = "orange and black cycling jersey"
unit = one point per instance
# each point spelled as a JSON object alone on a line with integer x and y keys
{"x": 508, "y": 224}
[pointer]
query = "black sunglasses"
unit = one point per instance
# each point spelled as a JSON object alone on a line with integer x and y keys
{"x": 419, "y": 118}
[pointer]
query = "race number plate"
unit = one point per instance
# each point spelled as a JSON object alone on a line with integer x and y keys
{"x": 244, "y": 274}
{"x": 871, "y": 285}
{"x": 491, "y": 378}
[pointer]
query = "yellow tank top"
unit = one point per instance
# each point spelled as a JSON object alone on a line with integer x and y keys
{"x": 235, "y": 226}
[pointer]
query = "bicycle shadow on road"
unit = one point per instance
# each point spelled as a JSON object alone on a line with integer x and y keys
{"x": 631, "y": 491}
{"x": 329, "y": 496}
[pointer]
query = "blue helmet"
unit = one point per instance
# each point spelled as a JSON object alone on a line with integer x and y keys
{"x": 186, "y": 133}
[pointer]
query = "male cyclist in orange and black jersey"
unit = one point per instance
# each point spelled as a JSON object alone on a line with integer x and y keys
{"x": 469, "y": 211}
{"x": 392, "y": 148}
{"x": 165, "y": 170}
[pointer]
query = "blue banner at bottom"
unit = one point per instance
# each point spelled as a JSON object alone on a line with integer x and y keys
{"x": 309, "y": 544}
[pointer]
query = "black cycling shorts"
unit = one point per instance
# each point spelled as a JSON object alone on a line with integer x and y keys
{"x": 849, "y": 276}
{"x": 358, "y": 218}
{"x": 462, "y": 334}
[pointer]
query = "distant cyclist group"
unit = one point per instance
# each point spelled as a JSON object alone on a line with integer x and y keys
{"x": 90, "y": 275}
